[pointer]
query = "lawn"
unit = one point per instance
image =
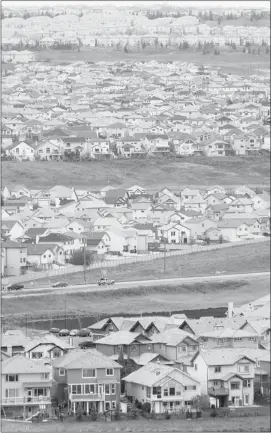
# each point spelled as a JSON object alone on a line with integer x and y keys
{"x": 150, "y": 173}
{"x": 236, "y": 259}
{"x": 139, "y": 300}
{"x": 235, "y": 61}
{"x": 257, "y": 424}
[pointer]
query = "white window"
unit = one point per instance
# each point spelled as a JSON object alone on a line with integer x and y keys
{"x": 244, "y": 368}
{"x": 247, "y": 383}
{"x": 61, "y": 371}
{"x": 90, "y": 388}
{"x": 165, "y": 392}
{"x": 218, "y": 369}
{"x": 45, "y": 375}
{"x": 12, "y": 393}
{"x": 113, "y": 405}
{"x": 107, "y": 389}
{"x": 89, "y": 372}
{"x": 113, "y": 388}
{"x": 109, "y": 372}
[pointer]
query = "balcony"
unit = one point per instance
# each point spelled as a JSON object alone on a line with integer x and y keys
{"x": 156, "y": 397}
{"x": 18, "y": 401}
{"x": 218, "y": 392}
{"x": 86, "y": 397}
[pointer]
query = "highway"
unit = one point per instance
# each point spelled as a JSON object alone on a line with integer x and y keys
{"x": 131, "y": 284}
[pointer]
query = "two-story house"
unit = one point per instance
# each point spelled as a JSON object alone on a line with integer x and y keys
{"x": 226, "y": 375}
{"x": 26, "y": 387}
{"x": 233, "y": 338}
{"x": 14, "y": 257}
{"x": 126, "y": 342}
{"x": 91, "y": 378}
{"x": 166, "y": 388}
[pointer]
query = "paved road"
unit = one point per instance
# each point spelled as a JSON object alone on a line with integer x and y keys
{"x": 132, "y": 284}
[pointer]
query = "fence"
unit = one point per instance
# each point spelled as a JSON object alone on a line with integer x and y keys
{"x": 125, "y": 261}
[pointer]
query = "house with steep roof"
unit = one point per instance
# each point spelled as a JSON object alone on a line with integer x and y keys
{"x": 166, "y": 388}
{"x": 234, "y": 230}
{"x": 45, "y": 255}
{"x": 22, "y": 151}
{"x": 91, "y": 379}
{"x": 26, "y": 385}
{"x": 232, "y": 338}
{"x": 226, "y": 375}
{"x": 68, "y": 243}
{"x": 126, "y": 342}
{"x": 49, "y": 347}
{"x": 174, "y": 233}
{"x": 13, "y": 258}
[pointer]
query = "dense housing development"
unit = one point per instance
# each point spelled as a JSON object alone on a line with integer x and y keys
{"x": 164, "y": 362}
{"x": 66, "y": 104}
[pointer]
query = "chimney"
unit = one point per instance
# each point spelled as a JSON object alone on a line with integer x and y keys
{"x": 230, "y": 310}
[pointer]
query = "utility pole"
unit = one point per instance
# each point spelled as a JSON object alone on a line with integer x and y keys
{"x": 165, "y": 254}
{"x": 85, "y": 275}
{"x": 65, "y": 312}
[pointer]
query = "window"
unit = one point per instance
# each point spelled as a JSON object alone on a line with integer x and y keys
{"x": 44, "y": 256}
{"x": 61, "y": 371}
{"x": 247, "y": 383}
{"x": 47, "y": 149}
{"x": 12, "y": 393}
{"x": 77, "y": 389}
{"x": 90, "y": 389}
{"x": 173, "y": 233}
{"x": 113, "y": 388}
{"x": 190, "y": 388}
{"x": 107, "y": 405}
{"x": 113, "y": 405}
{"x": 235, "y": 385}
{"x": 215, "y": 383}
{"x": 37, "y": 355}
{"x": 218, "y": 369}
{"x": 45, "y": 375}
{"x": 194, "y": 348}
{"x": 90, "y": 372}
{"x": 157, "y": 391}
{"x": 244, "y": 368}
{"x": 107, "y": 389}
{"x": 171, "y": 391}
{"x": 11, "y": 377}
{"x": 109, "y": 372}
{"x": 148, "y": 392}
{"x": 165, "y": 392}
{"x": 134, "y": 348}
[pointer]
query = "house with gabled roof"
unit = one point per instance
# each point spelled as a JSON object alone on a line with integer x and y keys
{"x": 126, "y": 342}
{"x": 226, "y": 375}
{"x": 44, "y": 255}
{"x": 91, "y": 379}
{"x": 26, "y": 385}
{"x": 232, "y": 338}
{"x": 166, "y": 388}
{"x": 22, "y": 151}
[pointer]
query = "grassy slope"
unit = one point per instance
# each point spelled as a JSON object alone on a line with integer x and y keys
{"x": 148, "y": 173}
{"x": 236, "y": 259}
{"x": 236, "y": 61}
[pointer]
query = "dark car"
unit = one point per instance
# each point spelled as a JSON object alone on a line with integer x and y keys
{"x": 85, "y": 332}
{"x": 60, "y": 284}
{"x": 64, "y": 333}
{"x": 87, "y": 345}
{"x": 54, "y": 331}
{"x": 16, "y": 286}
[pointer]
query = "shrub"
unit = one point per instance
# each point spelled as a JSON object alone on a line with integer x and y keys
{"x": 167, "y": 416}
{"x": 93, "y": 416}
{"x": 146, "y": 407}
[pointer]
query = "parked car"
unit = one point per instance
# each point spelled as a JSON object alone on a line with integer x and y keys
{"x": 105, "y": 282}
{"x": 87, "y": 345}
{"x": 60, "y": 284}
{"x": 64, "y": 333}
{"x": 15, "y": 286}
{"x": 54, "y": 330}
{"x": 84, "y": 332}
{"x": 74, "y": 332}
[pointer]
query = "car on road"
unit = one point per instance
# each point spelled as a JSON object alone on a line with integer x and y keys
{"x": 105, "y": 282}
{"x": 60, "y": 284}
{"x": 15, "y": 286}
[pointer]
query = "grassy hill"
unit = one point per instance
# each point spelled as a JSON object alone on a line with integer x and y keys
{"x": 149, "y": 173}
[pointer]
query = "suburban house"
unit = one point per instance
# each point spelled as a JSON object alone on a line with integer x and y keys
{"x": 174, "y": 233}
{"x": 88, "y": 379}
{"x": 233, "y": 338}
{"x": 126, "y": 342}
{"x": 166, "y": 388}
{"x": 48, "y": 347}
{"x": 233, "y": 230}
{"x": 13, "y": 257}
{"x": 175, "y": 344}
{"x": 26, "y": 387}
{"x": 22, "y": 151}
{"x": 45, "y": 255}
{"x": 226, "y": 375}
